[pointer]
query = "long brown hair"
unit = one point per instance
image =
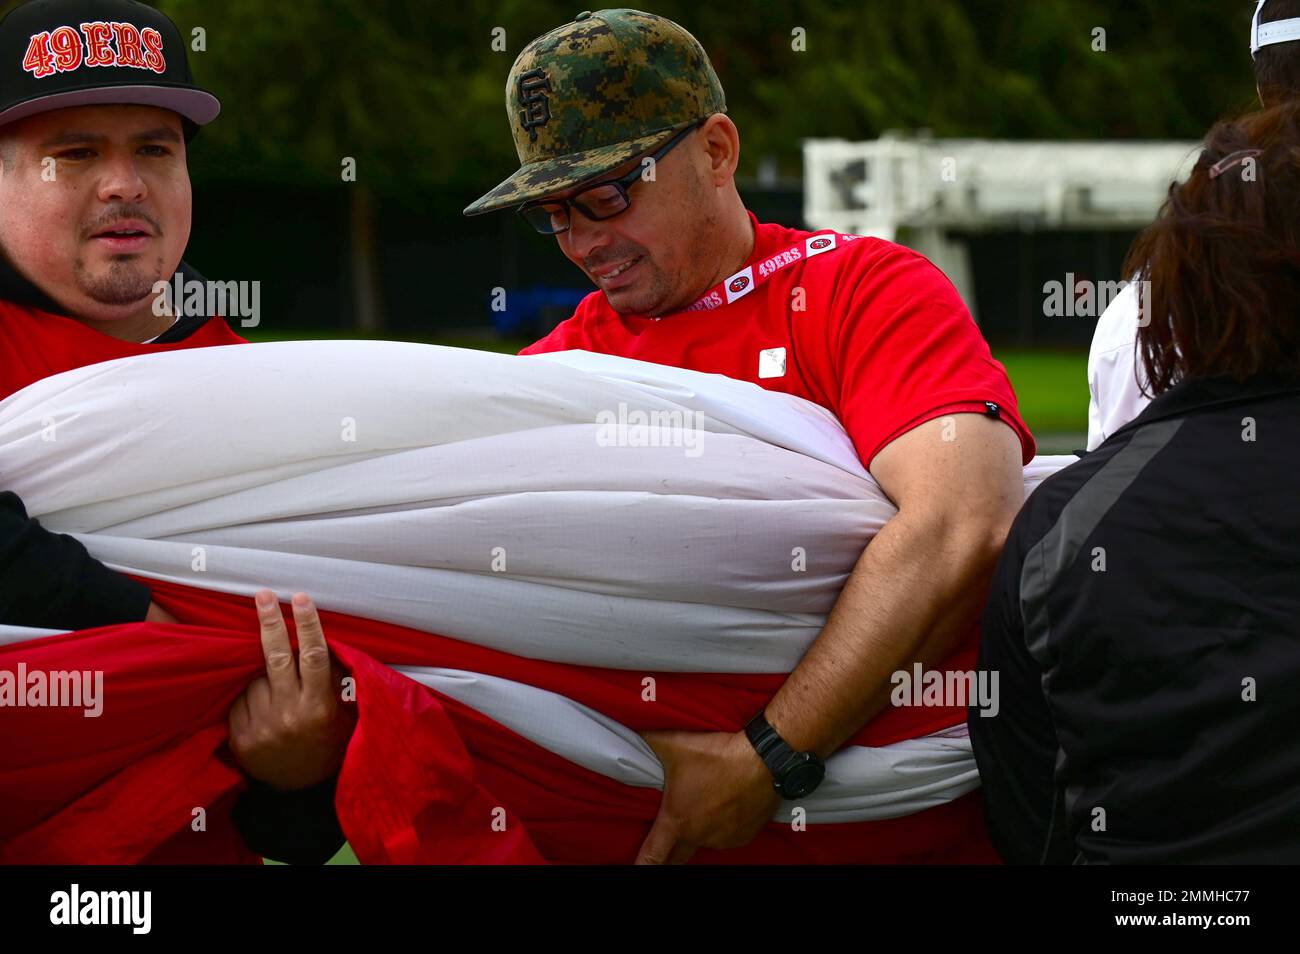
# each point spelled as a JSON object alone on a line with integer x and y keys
{"x": 1277, "y": 66}
{"x": 1222, "y": 259}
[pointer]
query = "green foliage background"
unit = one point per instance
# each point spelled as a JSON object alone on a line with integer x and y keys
{"x": 416, "y": 89}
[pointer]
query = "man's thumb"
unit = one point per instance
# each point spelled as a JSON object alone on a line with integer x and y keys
{"x": 658, "y": 845}
{"x": 659, "y": 742}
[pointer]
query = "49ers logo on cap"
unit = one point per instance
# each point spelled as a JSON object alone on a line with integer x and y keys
{"x": 819, "y": 243}
{"x": 63, "y": 50}
{"x": 739, "y": 284}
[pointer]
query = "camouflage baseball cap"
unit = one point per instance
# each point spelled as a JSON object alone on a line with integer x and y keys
{"x": 592, "y": 94}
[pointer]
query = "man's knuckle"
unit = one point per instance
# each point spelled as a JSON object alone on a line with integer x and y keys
{"x": 289, "y": 722}
{"x": 278, "y": 660}
{"x": 315, "y": 658}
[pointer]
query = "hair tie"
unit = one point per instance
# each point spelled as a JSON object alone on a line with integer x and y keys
{"x": 1228, "y": 161}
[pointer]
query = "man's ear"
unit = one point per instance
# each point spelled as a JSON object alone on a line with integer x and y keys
{"x": 721, "y": 141}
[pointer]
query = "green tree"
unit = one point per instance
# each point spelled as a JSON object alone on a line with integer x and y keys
{"x": 414, "y": 90}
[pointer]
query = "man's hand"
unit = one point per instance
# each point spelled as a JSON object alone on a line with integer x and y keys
{"x": 717, "y": 794}
{"x": 289, "y": 728}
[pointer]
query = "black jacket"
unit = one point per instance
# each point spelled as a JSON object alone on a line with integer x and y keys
{"x": 1144, "y": 623}
{"x": 48, "y": 580}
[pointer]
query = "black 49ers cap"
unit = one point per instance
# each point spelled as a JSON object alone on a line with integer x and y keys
{"x": 60, "y": 53}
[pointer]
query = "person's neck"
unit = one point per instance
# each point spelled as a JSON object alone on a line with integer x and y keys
{"x": 735, "y": 247}
{"x": 734, "y": 244}
{"x": 142, "y": 326}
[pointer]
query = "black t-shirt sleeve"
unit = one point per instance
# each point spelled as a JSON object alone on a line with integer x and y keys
{"x": 48, "y": 580}
{"x": 298, "y": 828}
{"x": 1016, "y": 748}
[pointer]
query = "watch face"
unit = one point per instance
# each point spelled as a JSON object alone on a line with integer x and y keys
{"x": 802, "y": 779}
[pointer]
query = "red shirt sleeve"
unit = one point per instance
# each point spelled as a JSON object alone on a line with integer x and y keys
{"x": 907, "y": 351}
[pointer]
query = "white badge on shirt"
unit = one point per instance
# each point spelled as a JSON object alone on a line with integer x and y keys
{"x": 771, "y": 363}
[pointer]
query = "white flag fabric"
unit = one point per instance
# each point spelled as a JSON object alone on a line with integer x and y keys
{"x": 572, "y": 507}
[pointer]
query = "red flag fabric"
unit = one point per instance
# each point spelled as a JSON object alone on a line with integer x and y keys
{"x": 425, "y": 776}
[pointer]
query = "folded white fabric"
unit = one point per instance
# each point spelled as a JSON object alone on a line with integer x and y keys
{"x": 576, "y": 508}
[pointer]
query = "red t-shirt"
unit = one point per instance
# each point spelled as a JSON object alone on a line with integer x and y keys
{"x": 883, "y": 340}
{"x": 35, "y": 344}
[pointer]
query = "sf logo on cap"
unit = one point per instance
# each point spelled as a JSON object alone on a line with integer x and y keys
{"x": 63, "y": 49}
{"x": 533, "y": 87}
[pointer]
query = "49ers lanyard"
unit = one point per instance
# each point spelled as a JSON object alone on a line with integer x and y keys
{"x": 751, "y": 276}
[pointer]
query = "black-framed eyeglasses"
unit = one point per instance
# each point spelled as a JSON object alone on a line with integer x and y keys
{"x": 601, "y": 200}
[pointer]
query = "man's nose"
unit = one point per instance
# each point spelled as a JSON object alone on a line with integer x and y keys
{"x": 583, "y": 237}
{"x": 122, "y": 181}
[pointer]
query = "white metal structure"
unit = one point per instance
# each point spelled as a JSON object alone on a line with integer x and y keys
{"x": 924, "y": 188}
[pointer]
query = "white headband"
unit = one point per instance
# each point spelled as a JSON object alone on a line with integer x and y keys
{"x": 1266, "y": 34}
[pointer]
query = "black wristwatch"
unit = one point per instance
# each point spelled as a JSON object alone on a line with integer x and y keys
{"x": 794, "y": 774}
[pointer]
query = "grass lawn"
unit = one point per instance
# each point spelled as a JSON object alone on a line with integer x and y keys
{"x": 1051, "y": 387}
{"x": 344, "y": 857}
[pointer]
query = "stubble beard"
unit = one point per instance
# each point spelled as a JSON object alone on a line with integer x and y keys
{"x": 663, "y": 297}
{"x": 649, "y": 301}
{"x": 127, "y": 281}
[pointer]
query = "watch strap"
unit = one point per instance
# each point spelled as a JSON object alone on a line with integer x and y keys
{"x": 767, "y": 742}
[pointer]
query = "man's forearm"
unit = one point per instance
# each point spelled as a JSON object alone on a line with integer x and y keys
{"x": 915, "y": 591}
